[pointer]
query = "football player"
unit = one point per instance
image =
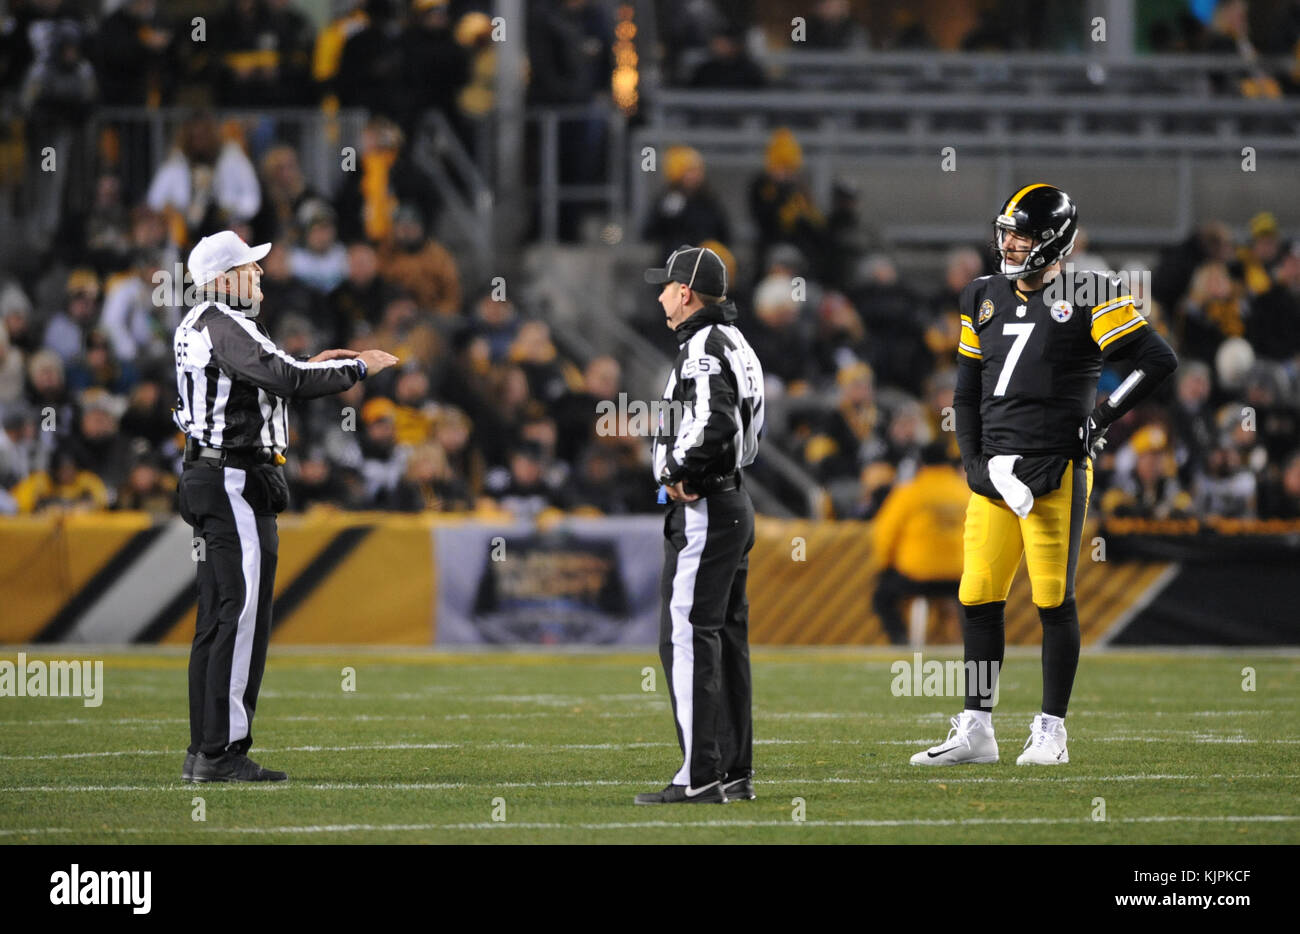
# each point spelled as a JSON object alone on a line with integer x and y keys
{"x": 1032, "y": 343}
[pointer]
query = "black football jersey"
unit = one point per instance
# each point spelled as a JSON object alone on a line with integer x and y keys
{"x": 1040, "y": 354}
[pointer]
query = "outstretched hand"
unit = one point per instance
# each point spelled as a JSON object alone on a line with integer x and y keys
{"x": 336, "y": 354}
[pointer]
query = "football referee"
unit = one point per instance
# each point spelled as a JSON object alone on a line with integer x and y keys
{"x": 233, "y": 387}
{"x": 708, "y": 431}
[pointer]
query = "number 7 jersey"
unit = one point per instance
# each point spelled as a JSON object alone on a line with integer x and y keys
{"x": 1040, "y": 354}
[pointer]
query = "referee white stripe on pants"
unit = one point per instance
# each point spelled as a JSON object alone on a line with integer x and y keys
{"x": 704, "y": 634}
{"x": 233, "y": 512}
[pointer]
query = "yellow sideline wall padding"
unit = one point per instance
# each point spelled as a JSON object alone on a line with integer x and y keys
{"x": 45, "y": 560}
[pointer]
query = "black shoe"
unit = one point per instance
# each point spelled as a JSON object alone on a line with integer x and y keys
{"x": 739, "y": 789}
{"x": 187, "y": 770}
{"x": 233, "y": 767}
{"x": 680, "y": 794}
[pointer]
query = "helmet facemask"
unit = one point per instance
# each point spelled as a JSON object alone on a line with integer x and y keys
{"x": 1045, "y": 248}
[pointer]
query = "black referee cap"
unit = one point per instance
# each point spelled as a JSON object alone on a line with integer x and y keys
{"x": 694, "y": 266}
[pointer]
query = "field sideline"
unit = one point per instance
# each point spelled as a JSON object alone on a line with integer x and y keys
{"x": 433, "y": 747}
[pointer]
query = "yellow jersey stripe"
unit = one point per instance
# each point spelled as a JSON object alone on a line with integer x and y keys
{"x": 1011, "y": 205}
{"x": 1113, "y": 319}
{"x": 1116, "y": 333}
{"x": 968, "y": 350}
{"x": 1113, "y": 303}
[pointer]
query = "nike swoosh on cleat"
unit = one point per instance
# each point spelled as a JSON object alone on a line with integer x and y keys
{"x": 935, "y": 755}
{"x": 693, "y": 792}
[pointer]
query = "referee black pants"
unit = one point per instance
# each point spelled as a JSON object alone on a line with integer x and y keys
{"x": 232, "y": 511}
{"x": 704, "y": 635}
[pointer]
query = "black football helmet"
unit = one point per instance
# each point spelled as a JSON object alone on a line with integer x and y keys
{"x": 1047, "y": 216}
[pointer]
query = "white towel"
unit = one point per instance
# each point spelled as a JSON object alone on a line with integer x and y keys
{"x": 1014, "y": 493}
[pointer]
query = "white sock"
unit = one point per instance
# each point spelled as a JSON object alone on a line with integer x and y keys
{"x": 1050, "y": 723}
{"x": 983, "y": 717}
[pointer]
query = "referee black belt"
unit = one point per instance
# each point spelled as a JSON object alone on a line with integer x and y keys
{"x": 716, "y": 483}
{"x": 221, "y": 457}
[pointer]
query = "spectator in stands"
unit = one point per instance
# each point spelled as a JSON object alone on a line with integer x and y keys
{"x": 841, "y": 337}
{"x": 98, "y": 237}
{"x": 535, "y": 353}
{"x": 96, "y": 440}
{"x": 1212, "y": 241}
{"x": 284, "y": 295}
{"x": 1226, "y": 485}
{"x": 148, "y": 409}
{"x": 47, "y": 391}
{"x": 1279, "y": 495}
{"x": 430, "y": 484}
{"x": 16, "y": 317}
{"x": 1149, "y": 489}
{"x": 1229, "y": 35}
{"x": 522, "y": 490}
{"x": 782, "y": 342}
{"x": 407, "y": 329}
{"x": 349, "y": 18}
{"x": 319, "y": 261}
{"x": 847, "y": 239}
{"x": 600, "y": 483}
{"x": 138, "y": 330}
{"x": 729, "y": 65}
{"x": 284, "y": 190}
{"x": 66, "y": 487}
{"x": 477, "y": 99}
{"x": 917, "y": 539}
{"x": 1193, "y": 421}
{"x": 66, "y": 331}
{"x": 497, "y": 322}
{"x": 1273, "y": 328}
{"x": 314, "y": 480}
{"x": 97, "y": 367}
{"x": 414, "y": 412}
{"x": 453, "y": 433}
{"x": 849, "y": 434}
{"x": 137, "y": 58}
{"x": 435, "y": 67}
{"x": 1276, "y": 423}
{"x": 248, "y": 58}
{"x": 895, "y": 325}
{"x": 21, "y": 453}
{"x": 206, "y": 183}
{"x": 370, "y": 68}
{"x": 569, "y": 51}
{"x": 576, "y": 411}
{"x": 356, "y": 303}
{"x": 12, "y": 370}
{"x": 295, "y": 39}
{"x": 420, "y": 265}
{"x": 150, "y": 485}
{"x": 779, "y": 202}
{"x": 907, "y": 434}
{"x": 687, "y": 212}
{"x": 383, "y": 461}
{"x": 1254, "y": 261}
{"x": 384, "y": 178}
{"x": 1215, "y": 308}
{"x": 833, "y": 27}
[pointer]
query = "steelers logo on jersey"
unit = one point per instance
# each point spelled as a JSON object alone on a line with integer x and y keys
{"x": 1061, "y": 312}
{"x": 986, "y": 311}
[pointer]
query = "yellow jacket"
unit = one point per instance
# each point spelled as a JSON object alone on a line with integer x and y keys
{"x": 918, "y": 531}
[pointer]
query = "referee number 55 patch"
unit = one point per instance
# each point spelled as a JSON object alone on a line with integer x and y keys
{"x": 700, "y": 366}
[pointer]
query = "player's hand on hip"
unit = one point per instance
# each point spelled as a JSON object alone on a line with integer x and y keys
{"x": 679, "y": 495}
{"x": 336, "y": 354}
{"x": 376, "y": 360}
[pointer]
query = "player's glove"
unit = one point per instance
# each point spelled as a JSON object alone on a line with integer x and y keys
{"x": 1093, "y": 434}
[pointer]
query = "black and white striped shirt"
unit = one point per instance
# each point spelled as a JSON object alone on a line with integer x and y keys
{"x": 711, "y": 417}
{"x": 233, "y": 382}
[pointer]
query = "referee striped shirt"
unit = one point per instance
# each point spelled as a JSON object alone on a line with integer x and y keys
{"x": 712, "y": 415}
{"x": 233, "y": 382}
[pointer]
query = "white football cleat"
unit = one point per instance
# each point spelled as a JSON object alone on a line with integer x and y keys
{"x": 968, "y": 743}
{"x": 1044, "y": 747}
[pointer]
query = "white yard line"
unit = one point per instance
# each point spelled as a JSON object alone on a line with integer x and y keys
{"x": 679, "y": 825}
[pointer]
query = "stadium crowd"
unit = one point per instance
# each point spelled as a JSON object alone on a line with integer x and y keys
{"x": 485, "y": 411}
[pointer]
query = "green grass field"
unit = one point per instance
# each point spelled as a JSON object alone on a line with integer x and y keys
{"x": 431, "y": 747}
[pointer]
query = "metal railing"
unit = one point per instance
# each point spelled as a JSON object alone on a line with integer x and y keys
{"x": 549, "y": 193}
{"x": 466, "y": 196}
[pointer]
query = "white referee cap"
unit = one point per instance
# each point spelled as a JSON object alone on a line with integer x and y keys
{"x": 222, "y": 252}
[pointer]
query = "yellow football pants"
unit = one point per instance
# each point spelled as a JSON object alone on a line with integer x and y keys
{"x": 1049, "y": 538}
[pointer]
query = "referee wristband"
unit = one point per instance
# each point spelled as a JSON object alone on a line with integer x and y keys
{"x": 361, "y": 364}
